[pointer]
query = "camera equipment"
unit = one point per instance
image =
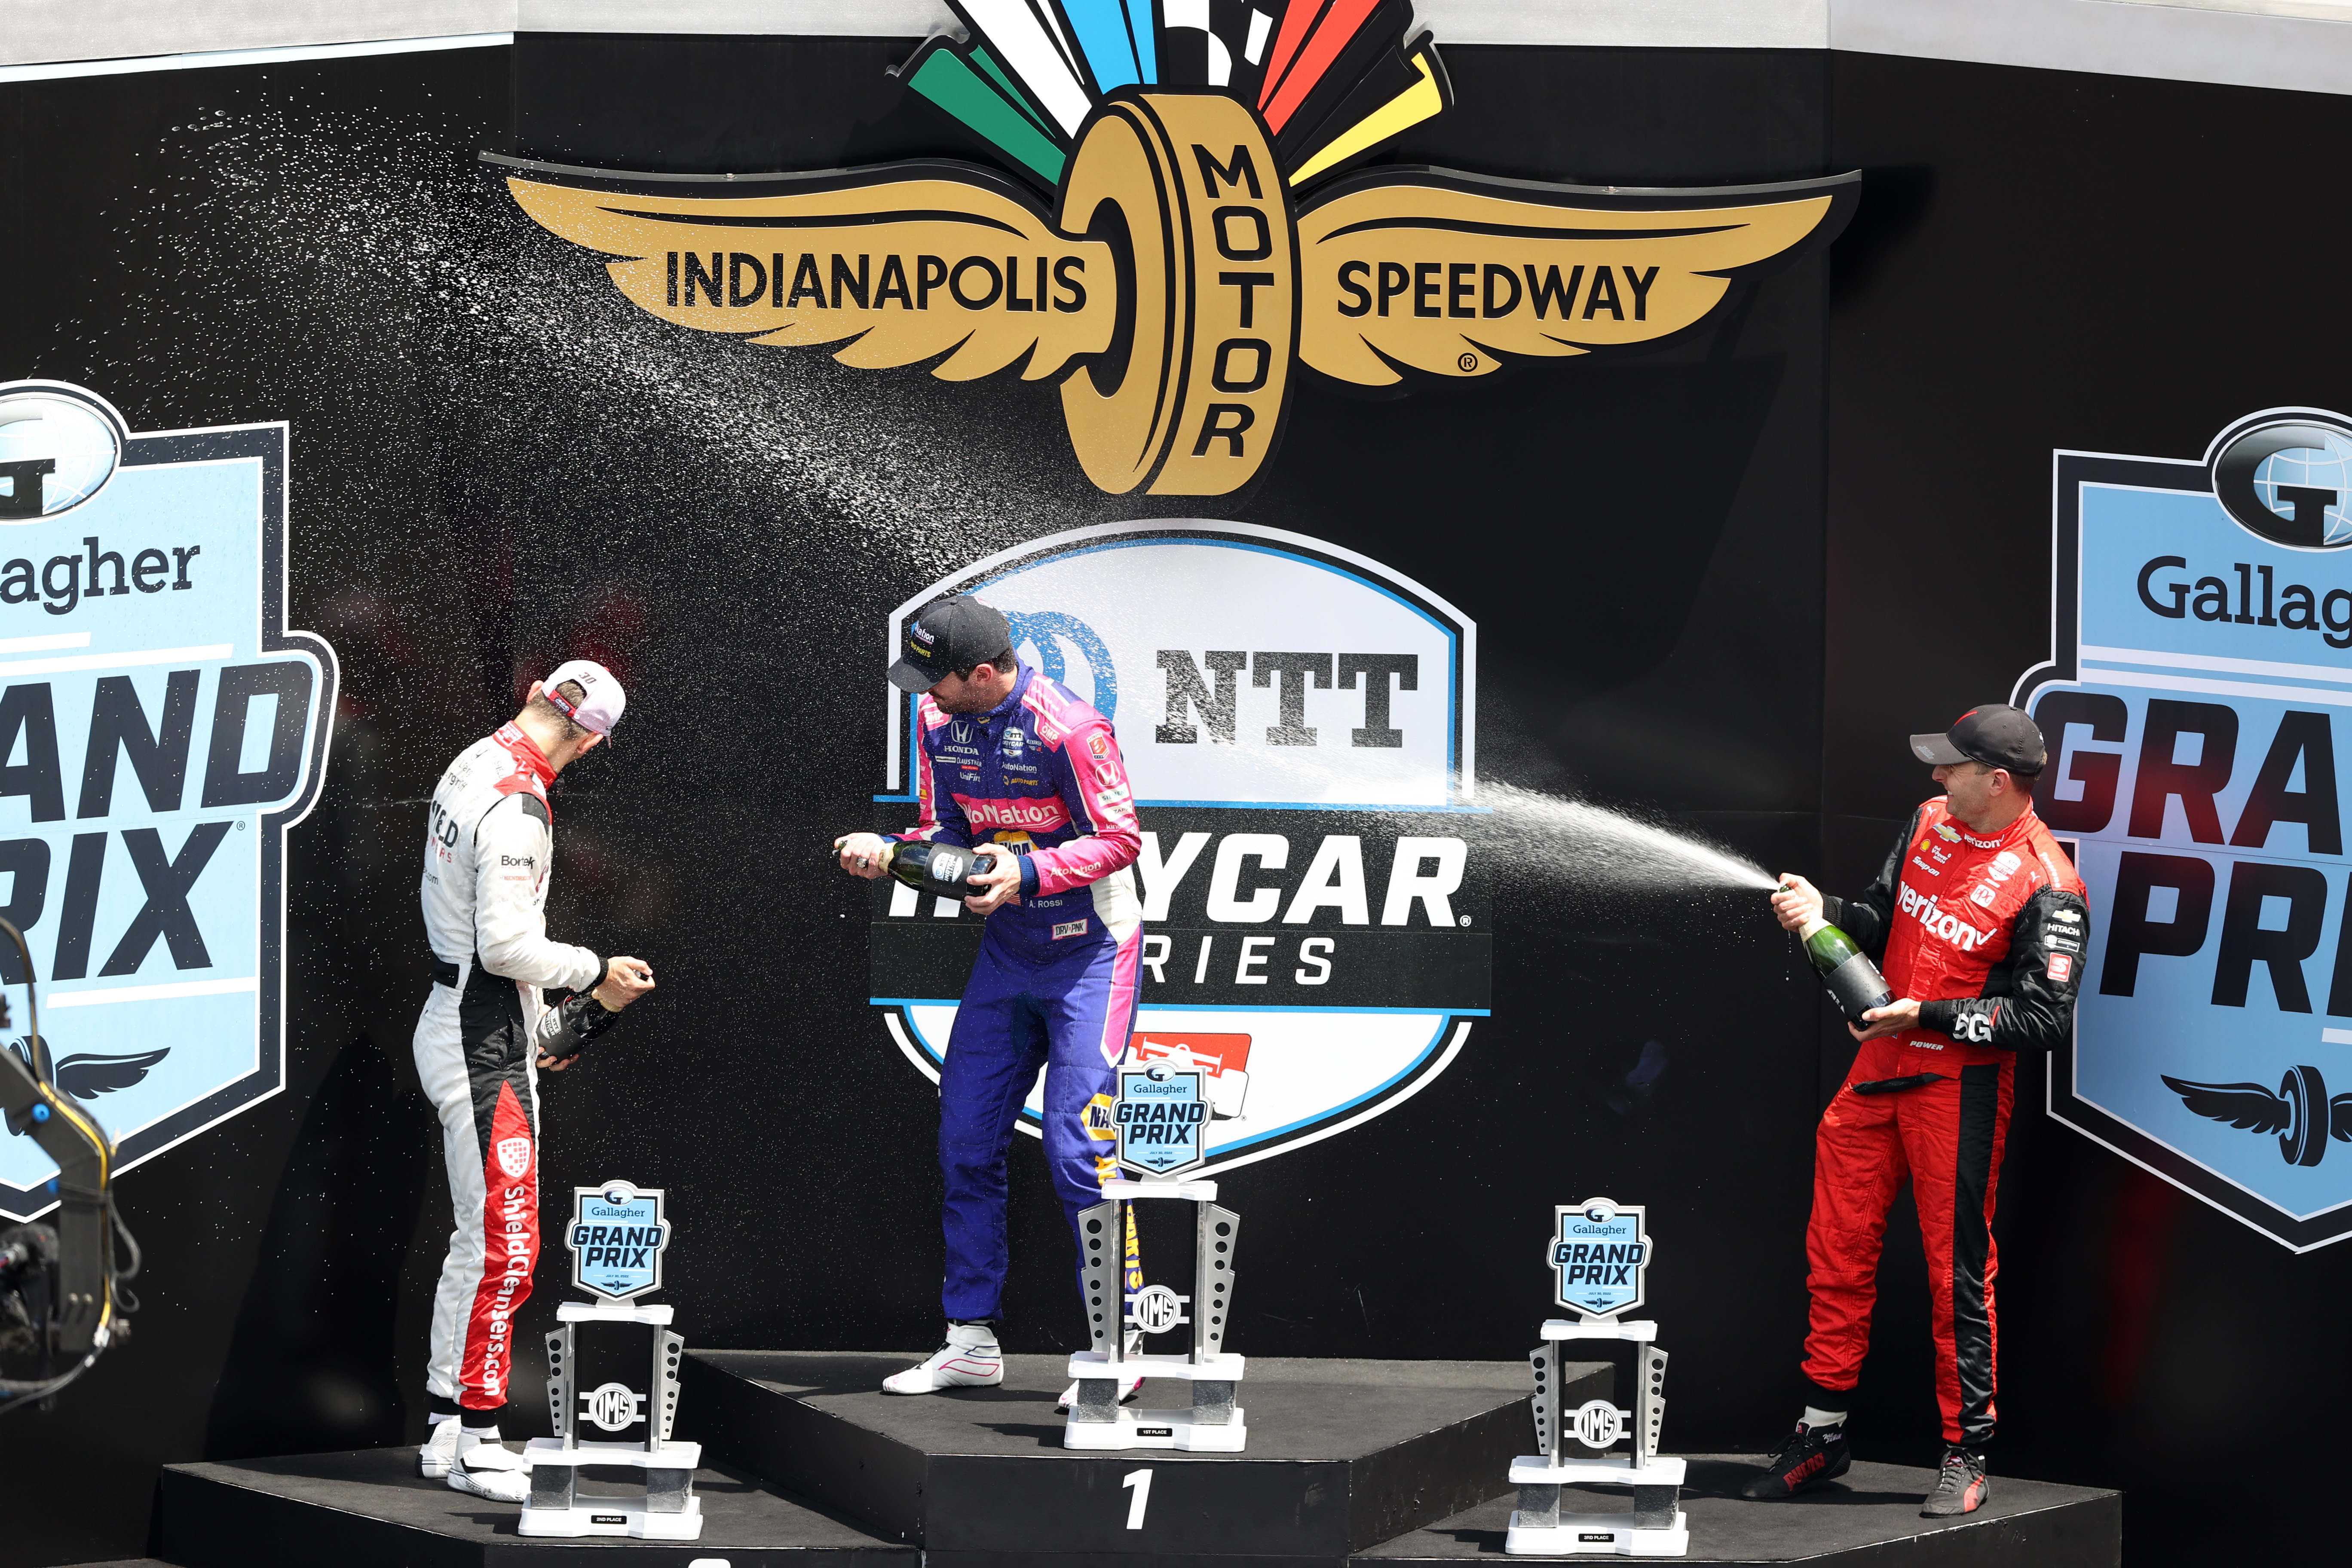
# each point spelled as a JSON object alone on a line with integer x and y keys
{"x": 62, "y": 1300}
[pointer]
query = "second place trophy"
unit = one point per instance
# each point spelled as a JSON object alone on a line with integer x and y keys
{"x": 1160, "y": 1120}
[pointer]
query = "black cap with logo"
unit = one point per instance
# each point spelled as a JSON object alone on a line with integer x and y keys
{"x": 1996, "y": 734}
{"x": 947, "y": 635}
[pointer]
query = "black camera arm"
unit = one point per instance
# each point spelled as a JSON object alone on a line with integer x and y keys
{"x": 86, "y": 1308}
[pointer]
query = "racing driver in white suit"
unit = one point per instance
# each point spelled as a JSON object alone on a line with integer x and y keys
{"x": 484, "y": 1033}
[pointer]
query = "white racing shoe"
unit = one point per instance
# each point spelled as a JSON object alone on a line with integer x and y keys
{"x": 1129, "y": 1387}
{"x": 441, "y": 1450}
{"x": 488, "y": 1470}
{"x": 969, "y": 1359}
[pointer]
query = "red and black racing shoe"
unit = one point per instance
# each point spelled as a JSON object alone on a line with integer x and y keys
{"x": 1962, "y": 1487}
{"x": 1806, "y": 1457}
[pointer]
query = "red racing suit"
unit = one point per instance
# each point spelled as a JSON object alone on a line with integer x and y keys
{"x": 1988, "y": 934}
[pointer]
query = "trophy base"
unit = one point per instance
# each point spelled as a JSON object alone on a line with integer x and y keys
{"x": 668, "y": 1511}
{"x": 615, "y": 1516}
{"x": 1600, "y": 1470}
{"x": 1212, "y": 1369}
{"x": 1611, "y": 1533}
{"x": 1159, "y": 1429}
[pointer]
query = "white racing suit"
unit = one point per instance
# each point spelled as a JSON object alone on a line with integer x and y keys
{"x": 486, "y": 861}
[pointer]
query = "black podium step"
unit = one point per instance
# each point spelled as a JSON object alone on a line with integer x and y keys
{"x": 1342, "y": 1455}
{"x": 370, "y": 1510}
{"x": 1870, "y": 1517}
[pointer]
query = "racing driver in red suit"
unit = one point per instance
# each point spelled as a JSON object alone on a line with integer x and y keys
{"x": 1982, "y": 922}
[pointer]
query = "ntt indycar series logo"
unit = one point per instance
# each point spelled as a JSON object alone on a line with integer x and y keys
{"x": 1176, "y": 231}
{"x": 1299, "y": 726}
{"x": 1600, "y": 1257}
{"x": 2195, "y": 705}
{"x": 161, "y": 729}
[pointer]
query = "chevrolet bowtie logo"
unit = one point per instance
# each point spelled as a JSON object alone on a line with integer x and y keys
{"x": 1177, "y": 281}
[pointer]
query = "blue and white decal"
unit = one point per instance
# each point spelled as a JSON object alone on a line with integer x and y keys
{"x": 1162, "y": 1119}
{"x": 617, "y": 1236}
{"x": 2196, "y": 708}
{"x": 1600, "y": 1257}
{"x": 159, "y": 730}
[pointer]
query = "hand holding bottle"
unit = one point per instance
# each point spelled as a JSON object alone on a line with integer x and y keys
{"x": 864, "y": 855}
{"x": 1852, "y": 980}
{"x": 999, "y": 879}
{"x": 1892, "y": 1019}
{"x": 948, "y": 870}
{"x": 1798, "y": 903}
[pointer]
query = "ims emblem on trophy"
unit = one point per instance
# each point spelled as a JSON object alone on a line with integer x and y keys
{"x": 1600, "y": 1254}
{"x": 1160, "y": 1119}
{"x": 617, "y": 1236}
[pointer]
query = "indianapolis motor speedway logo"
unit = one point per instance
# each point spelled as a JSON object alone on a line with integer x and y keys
{"x": 1202, "y": 237}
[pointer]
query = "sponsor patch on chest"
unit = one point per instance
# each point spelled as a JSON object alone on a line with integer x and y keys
{"x": 1070, "y": 928}
{"x": 1943, "y": 924}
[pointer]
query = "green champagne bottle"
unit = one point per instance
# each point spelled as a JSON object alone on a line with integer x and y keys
{"x": 942, "y": 869}
{"x": 1852, "y": 979}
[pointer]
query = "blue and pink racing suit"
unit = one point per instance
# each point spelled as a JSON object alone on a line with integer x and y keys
{"x": 1055, "y": 979}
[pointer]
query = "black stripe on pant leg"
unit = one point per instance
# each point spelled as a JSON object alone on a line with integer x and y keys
{"x": 492, "y": 1038}
{"x": 1971, "y": 1240}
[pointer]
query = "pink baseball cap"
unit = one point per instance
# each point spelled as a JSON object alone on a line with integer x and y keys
{"x": 599, "y": 708}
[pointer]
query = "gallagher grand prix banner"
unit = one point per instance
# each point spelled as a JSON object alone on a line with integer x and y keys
{"x": 160, "y": 729}
{"x": 1174, "y": 230}
{"x": 1296, "y": 723}
{"x": 2202, "y": 615}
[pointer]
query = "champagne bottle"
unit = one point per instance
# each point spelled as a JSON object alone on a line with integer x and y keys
{"x": 1849, "y": 975}
{"x": 944, "y": 869}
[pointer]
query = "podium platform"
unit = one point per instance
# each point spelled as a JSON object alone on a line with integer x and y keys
{"x": 1351, "y": 1465}
{"x": 1342, "y": 1455}
{"x": 371, "y": 1509}
{"x": 1869, "y": 1516}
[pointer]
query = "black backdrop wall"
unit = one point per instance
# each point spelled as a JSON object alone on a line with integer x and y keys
{"x": 1685, "y": 567}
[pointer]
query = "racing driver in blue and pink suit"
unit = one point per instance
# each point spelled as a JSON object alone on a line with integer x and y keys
{"x": 1010, "y": 759}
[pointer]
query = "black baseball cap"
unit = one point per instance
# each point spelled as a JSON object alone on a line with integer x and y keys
{"x": 1996, "y": 734}
{"x": 947, "y": 635}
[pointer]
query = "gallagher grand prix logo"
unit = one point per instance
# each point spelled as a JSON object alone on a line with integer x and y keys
{"x": 171, "y": 728}
{"x": 1200, "y": 241}
{"x": 2195, "y": 705}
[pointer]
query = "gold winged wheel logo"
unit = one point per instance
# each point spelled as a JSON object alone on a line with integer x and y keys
{"x": 1175, "y": 282}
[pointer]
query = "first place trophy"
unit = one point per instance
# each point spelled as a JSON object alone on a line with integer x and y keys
{"x": 1600, "y": 1255}
{"x": 617, "y": 1235}
{"x": 1161, "y": 1122}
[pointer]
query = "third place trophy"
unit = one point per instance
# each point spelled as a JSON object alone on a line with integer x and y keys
{"x": 1600, "y": 1255}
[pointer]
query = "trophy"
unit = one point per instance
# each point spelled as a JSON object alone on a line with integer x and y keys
{"x": 1160, "y": 1120}
{"x": 617, "y": 1236}
{"x": 1601, "y": 1255}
